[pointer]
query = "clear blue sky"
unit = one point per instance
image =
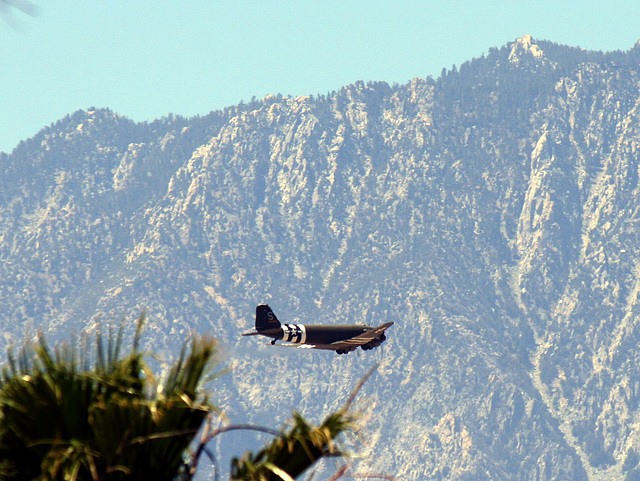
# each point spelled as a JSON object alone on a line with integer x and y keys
{"x": 145, "y": 59}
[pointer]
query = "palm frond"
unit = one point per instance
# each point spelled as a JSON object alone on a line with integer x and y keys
{"x": 110, "y": 422}
{"x": 297, "y": 449}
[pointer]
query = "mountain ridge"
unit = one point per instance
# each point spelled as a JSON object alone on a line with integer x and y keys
{"x": 490, "y": 213}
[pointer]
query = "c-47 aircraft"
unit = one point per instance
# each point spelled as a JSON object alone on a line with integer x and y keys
{"x": 341, "y": 339}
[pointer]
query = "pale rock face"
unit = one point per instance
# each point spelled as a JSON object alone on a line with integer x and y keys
{"x": 525, "y": 44}
{"x": 491, "y": 213}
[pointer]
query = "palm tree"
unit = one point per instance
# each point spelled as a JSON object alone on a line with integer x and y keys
{"x": 110, "y": 422}
{"x": 65, "y": 418}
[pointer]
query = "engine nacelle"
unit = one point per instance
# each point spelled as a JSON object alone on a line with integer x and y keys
{"x": 345, "y": 350}
{"x": 374, "y": 342}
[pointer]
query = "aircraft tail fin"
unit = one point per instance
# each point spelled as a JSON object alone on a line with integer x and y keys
{"x": 265, "y": 318}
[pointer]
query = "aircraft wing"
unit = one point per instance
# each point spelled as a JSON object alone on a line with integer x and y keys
{"x": 359, "y": 340}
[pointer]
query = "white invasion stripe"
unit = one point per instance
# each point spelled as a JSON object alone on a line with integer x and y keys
{"x": 303, "y": 337}
{"x": 296, "y": 333}
{"x": 286, "y": 332}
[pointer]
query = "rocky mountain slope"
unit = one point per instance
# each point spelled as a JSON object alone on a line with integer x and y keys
{"x": 492, "y": 213}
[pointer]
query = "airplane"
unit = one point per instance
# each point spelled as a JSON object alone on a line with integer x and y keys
{"x": 341, "y": 339}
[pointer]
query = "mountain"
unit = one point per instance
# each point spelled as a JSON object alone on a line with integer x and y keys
{"x": 492, "y": 214}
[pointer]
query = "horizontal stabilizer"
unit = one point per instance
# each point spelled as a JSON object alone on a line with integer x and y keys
{"x": 265, "y": 332}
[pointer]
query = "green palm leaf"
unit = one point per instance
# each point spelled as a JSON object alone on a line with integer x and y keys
{"x": 109, "y": 422}
{"x": 295, "y": 451}
{"x": 63, "y": 419}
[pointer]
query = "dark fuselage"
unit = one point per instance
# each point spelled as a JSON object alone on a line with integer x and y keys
{"x": 319, "y": 334}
